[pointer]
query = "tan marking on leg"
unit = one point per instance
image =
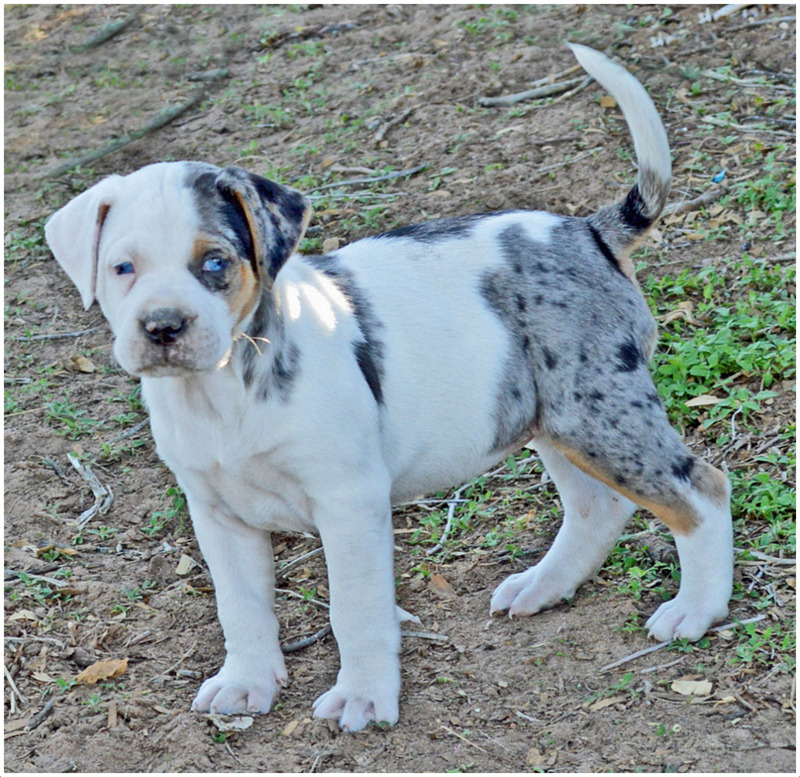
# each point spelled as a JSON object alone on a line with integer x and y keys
{"x": 712, "y": 483}
{"x": 680, "y": 517}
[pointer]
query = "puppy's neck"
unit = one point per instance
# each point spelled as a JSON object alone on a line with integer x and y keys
{"x": 260, "y": 341}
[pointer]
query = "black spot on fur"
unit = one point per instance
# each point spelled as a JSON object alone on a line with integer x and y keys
{"x": 369, "y": 349}
{"x": 550, "y": 359}
{"x": 369, "y": 370}
{"x": 682, "y": 468}
{"x": 629, "y": 357}
{"x": 285, "y": 368}
{"x": 434, "y": 231}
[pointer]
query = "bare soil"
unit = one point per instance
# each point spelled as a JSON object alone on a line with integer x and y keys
{"x": 479, "y": 694}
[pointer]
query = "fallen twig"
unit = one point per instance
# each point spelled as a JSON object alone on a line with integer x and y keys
{"x": 454, "y": 502}
{"x": 540, "y": 91}
{"x": 425, "y": 635}
{"x": 103, "y": 496}
{"x": 557, "y": 76}
{"x": 40, "y": 716}
{"x": 164, "y": 118}
{"x": 387, "y": 125}
{"x": 284, "y": 570}
{"x": 660, "y": 645}
{"x": 107, "y": 32}
{"x": 300, "y": 644}
{"x": 14, "y": 690}
{"x": 760, "y": 22}
{"x": 706, "y": 198}
{"x": 386, "y": 177}
{"x": 55, "y": 336}
{"x": 767, "y": 559}
{"x": 464, "y": 739}
{"x": 133, "y": 430}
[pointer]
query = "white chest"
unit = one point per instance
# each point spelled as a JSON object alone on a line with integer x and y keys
{"x": 228, "y": 454}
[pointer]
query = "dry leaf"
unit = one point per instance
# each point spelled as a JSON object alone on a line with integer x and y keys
{"x": 290, "y": 728}
{"x": 603, "y": 703}
{"x": 330, "y": 244}
{"x": 692, "y": 687}
{"x": 539, "y": 760}
{"x": 607, "y": 101}
{"x": 102, "y": 670}
{"x": 440, "y": 585}
{"x": 701, "y": 400}
{"x": 23, "y": 615}
{"x": 42, "y": 677}
{"x": 82, "y": 364}
{"x": 231, "y": 722}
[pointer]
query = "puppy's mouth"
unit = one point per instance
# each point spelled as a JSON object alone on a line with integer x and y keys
{"x": 170, "y": 361}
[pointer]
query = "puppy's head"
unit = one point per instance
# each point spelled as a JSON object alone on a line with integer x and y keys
{"x": 177, "y": 254}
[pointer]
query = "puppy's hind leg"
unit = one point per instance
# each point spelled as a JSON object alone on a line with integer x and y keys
{"x": 594, "y": 517}
{"x": 643, "y": 458}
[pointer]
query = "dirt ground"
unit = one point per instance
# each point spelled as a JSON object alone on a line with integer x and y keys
{"x": 305, "y": 92}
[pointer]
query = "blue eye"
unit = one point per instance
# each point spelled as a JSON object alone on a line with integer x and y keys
{"x": 124, "y": 268}
{"x": 215, "y": 264}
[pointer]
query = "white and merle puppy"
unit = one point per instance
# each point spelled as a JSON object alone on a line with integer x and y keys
{"x": 291, "y": 392}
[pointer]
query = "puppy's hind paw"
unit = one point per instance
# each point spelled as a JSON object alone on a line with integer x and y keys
{"x": 529, "y": 592}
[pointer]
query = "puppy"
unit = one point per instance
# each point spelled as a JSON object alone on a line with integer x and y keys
{"x": 309, "y": 393}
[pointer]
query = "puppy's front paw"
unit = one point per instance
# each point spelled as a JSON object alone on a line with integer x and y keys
{"x": 682, "y": 618}
{"x": 231, "y": 691}
{"x": 354, "y": 707}
{"x": 529, "y": 592}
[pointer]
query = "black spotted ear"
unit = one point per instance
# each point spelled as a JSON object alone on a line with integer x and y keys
{"x": 276, "y": 215}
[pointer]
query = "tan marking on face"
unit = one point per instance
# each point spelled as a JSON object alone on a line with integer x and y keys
{"x": 242, "y": 289}
{"x": 679, "y": 516}
{"x": 244, "y": 299}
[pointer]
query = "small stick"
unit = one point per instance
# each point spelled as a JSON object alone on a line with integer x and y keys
{"x": 130, "y": 431}
{"x": 452, "y": 511}
{"x": 660, "y": 645}
{"x": 103, "y": 496}
{"x": 387, "y": 125}
{"x": 293, "y": 646}
{"x": 769, "y": 559}
{"x": 387, "y": 177}
{"x": 304, "y": 598}
{"x": 13, "y": 686}
{"x": 106, "y": 32}
{"x": 56, "y": 468}
{"x": 425, "y": 635}
{"x": 283, "y": 571}
{"x": 773, "y": 20}
{"x": 557, "y": 76}
{"x": 40, "y": 716}
{"x": 530, "y": 94}
{"x": 163, "y": 118}
{"x": 706, "y": 198}
{"x": 55, "y": 336}
{"x": 464, "y": 739}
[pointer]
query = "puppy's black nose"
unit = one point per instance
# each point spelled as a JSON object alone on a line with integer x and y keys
{"x": 164, "y": 326}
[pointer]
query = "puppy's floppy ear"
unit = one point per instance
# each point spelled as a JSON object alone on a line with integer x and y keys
{"x": 73, "y": 234}
{"x": 276, "y": 215}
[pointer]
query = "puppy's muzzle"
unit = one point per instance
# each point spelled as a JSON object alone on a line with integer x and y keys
{"x": 165, "y": 326}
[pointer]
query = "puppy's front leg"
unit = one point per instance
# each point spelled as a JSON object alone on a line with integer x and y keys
{"x": 242, "y": 567}
{"x": 358, "y": 544}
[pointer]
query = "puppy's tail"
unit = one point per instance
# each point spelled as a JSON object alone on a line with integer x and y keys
{"x": 620, "y": 225}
